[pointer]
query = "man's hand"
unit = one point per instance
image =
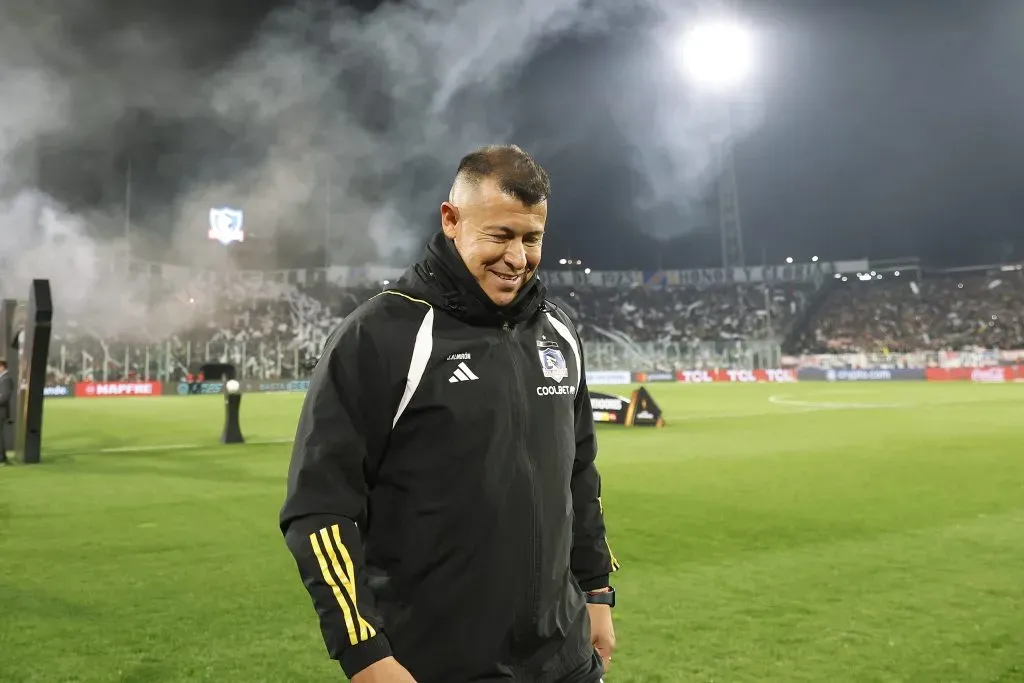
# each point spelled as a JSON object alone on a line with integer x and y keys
{"x": 602, "y": 632}
{"x": 387, "y": 670}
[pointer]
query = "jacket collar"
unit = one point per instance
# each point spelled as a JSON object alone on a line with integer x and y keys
{"x": 442, "y": 278}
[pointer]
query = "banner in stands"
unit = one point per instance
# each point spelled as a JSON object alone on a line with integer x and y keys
{"x": 860, "y": 375}
{"x": 59, "y": 391}
{"x": 638, "y": 410}
{"x": 702, "y": 277}
{"x": 116, "y": 389}
{"x": 374, "y": 275}
{"x": 713, "y": 376}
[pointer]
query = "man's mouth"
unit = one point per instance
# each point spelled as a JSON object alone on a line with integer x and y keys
{"x": 507, "y": 277}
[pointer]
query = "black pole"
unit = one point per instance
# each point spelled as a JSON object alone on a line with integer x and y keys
{"x": 34, "y": 355}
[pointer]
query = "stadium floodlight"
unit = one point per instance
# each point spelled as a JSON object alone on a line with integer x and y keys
{"x": 814, "y": 259}
{"x": 717, "y": 55}
{"x": 587, "y": 271}
{"x": 789, "y": 259}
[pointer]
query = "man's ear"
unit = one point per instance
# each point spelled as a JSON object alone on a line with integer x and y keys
{"x": 449, "y": 219}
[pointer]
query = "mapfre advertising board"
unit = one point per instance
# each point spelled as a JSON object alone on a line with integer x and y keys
{"x": 116, "y": 389}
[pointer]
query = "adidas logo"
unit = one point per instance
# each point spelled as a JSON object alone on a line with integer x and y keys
{"x": 462, "y": 374}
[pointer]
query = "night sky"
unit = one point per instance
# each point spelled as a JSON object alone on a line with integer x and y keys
{"x": 879, "y": 129}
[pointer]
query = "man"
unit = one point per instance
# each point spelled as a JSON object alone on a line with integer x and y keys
{"x": 443, "y": 506}
{"x": 6, "y": 392}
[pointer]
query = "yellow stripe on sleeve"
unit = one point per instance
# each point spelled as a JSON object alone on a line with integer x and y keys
{"x": 325, "y": 570}
{"x": 349, "y": 583}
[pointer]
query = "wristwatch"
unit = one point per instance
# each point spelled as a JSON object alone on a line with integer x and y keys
{"x": 602, "y": 598}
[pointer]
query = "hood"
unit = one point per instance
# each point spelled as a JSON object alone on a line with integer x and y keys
{"x": 442, "y": 279}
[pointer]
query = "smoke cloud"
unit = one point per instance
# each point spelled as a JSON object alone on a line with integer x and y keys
{"x": 326, "y": 126}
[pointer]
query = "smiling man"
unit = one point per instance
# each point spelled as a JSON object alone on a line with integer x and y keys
{"x": 498, "y": 231}
{"x": 443, "y": 505}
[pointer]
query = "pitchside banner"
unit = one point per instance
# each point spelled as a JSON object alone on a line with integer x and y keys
{"x": 59, "y": 391}
{"x": 193, "y": 388}
{"x": 772, "y": 375}
{"x": 860, "y": 375}
{"x": 295, "y": 386}
{"x": 995, "y": 374}
{"x": 117, "y": 389}
{"x": 251, "y": 386}
{"x": 654, "y": 376}
{"x": 597, "y": 377}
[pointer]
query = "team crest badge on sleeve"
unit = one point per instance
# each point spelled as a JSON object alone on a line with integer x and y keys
{"x": 552, "y": 362}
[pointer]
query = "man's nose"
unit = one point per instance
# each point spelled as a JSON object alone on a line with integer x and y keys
{"x": 515, "y": 256}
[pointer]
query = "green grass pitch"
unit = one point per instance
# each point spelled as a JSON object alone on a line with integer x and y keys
{"x": 814, "y": 532}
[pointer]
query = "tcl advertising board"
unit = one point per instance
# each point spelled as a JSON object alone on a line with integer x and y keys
{"x": 714, "y": 376}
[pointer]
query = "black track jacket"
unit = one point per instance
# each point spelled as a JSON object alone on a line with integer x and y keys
{"x": 443, "y": 504}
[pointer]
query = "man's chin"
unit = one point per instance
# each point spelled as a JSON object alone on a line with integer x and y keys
{"x": 500, "y": 291}
{"x": 502, "y": 298}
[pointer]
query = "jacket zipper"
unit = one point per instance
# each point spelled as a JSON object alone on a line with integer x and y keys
{"x": 532, "y": 595}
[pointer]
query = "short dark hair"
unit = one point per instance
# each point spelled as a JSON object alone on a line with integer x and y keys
{"x": 3, "y": 364}
{"x": 515, "y": 171}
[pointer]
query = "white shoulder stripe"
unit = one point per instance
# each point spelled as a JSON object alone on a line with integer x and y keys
{"x": 418, "y": 365}
{"x": 566, "y": 334}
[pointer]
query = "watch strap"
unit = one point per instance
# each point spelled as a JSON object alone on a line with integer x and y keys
{"x": 603, "y": 597}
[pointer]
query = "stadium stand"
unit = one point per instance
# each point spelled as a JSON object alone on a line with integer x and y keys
{"x": 941, "y": 312}
{"x": 274, "y": 327}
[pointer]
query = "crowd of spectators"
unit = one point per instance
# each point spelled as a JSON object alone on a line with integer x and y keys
{"x": 947, "y": 312}
{"x": 686, "y": 314}
{"x": 268, "y": 330}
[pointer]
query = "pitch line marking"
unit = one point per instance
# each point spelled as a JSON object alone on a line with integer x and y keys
{"x": 187, "y": 446}
{"x": 831, "y": 405}
{"x": 811, "y": 406}
{"x": 165, "y": 447}
{"x": 141, "y": 449}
